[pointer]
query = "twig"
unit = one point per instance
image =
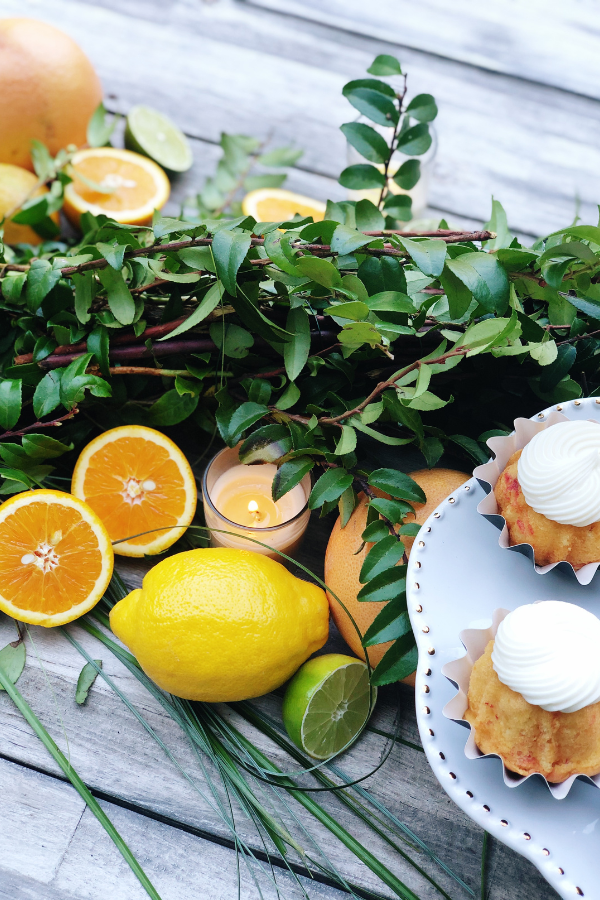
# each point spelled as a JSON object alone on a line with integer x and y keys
{"x": 383, "y": 385}
{"x": 385, "y": 188}
{"x": 579, "y": 337}
{"x": 55, "y": 423}
{"x": 147, "y": 370}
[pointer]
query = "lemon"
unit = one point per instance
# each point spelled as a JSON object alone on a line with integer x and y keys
{"x": 277, "y": 205}
{"x": 221, "y": 625}
{"x": 327, "y": 703}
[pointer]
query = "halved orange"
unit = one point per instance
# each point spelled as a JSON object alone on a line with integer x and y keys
{"x": 137, "y": 480}
{"x": 136, "y": 185}
{"x": 55, "y": 558}
{"x": 277, "y": 205}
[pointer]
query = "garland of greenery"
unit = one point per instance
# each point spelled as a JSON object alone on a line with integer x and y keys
{"x": 303, "y": 340}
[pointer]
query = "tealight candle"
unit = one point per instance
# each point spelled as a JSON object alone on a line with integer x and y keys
{"x": 238, "y": 500}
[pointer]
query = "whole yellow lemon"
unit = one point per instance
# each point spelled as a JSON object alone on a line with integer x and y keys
{"x": 221, "y": 625}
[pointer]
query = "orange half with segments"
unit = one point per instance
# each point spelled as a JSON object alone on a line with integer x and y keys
{"x": 56, "y": 558}
{"x": 140, "y": 484}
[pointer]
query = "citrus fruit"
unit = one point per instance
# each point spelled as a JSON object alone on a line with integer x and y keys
{"x": 136, "y": 186}
{"x": 220, "y": 624}
{"x": 149, "y": 132}
{"x": 277, "y": 205}
{"x": 55, "y": 558}
{"x": 344, "y": 559}
{"x": 327, "y": 703}
{"x": 16, "y": 186}
{"x": 137, "y": 480}
{"x": 48, "y": 90}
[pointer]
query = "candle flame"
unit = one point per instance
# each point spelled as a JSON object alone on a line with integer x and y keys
{"x": 253, "y": 506}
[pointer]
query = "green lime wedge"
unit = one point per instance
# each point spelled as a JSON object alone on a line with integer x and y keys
{"x": 149, "y": 132}
{"x": 327, "y": 703}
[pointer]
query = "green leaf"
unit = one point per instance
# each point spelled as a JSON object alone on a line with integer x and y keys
{"x": 99, "y": 130}
{"x": 330, "y": 486}
{"x": 44, "y": 165}
{"x": 423, "y": 108}
{"x": 545, "y": 353}
{"x": 87, "y": 677}
{"x": 398, "y": 484}
{"x": 12, "y": 286}
{"x": 229, "y": 250}
{"x": 384, "y": 65}
{"x": 296, "y": 351}
{"x": 171, "y": 409}
{"x": 391, "y": 623}
{"x": 347, "y": 240}
{"x": 408, "y": 174}
{"x": 12, "y": 661}
{"x": 388, "y": 585}
{"x": 584, "y": 232}
{"x": 355, "y": 310}
{"x": 290, "y": 396}
{"x": 40, "y": 281}
{"x": 114, "y": 254}
{"x": 253, "y": 318}
{"x": 10, "y": 402}
{"x": 41, "y": 446}
{"x": 278, "y": 249}
{"x": 368, "y": 217}
{"x": 429, "y": 255}
{"x": 458, "y": 294}
{"x": 488, "y": 333}
{"x": 290, "y": 474}
{"x": 266, "y": 445}
{"x": 367, "y": 141}
{"x": 586, "y": 305}
{"x": 378, "y": 436}
{"x": 432, "y": 449}
{"x": 256, "y": 182}
{"x": 198, "y": 258}
{"x": 393, "y": 510}
{"x": 374, "y": 532}
{"x": 485, "y": 278}
{"x": 359, "y": 333}
{"x": 499, "y": 224}
{"x": 321, "y": 271}
{"x": 361, "y": 177}
{"x": 84, "y": 294}
{"x": 472, "y": 447}
{"x": 557, "y": 370}
{"x": 347, "y": 441}
{"x": 391, "y": 301}
{"x": 399, "y": 206}
{"x": 210, "y": 301}
{"x": 47, "y": 394}
{"x": 382, "y": 555}
{"x": 120, "y": 301}
{"x": 233, "y": 340}
{"x": 245, "y": 416}
{"x": 399, "y": 661}
{"x": 98, "y": 344}
{"x": 281, "y": 157}
{"x": 346, "y": 505}
{"x": 372, "y": 103}
{"x": 416, "y": 140}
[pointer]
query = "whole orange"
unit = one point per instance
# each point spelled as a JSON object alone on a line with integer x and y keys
{"x": 16, "y": 186}
{"x": 343, "y": 563}
{"x": 48, "y": 90}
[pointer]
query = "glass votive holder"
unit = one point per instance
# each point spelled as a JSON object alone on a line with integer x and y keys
{"x": 419, "y": 193}
{"x": 231, "y": 490}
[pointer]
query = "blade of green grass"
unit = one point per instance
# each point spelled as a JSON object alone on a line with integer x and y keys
{"x": 83, "y": 791}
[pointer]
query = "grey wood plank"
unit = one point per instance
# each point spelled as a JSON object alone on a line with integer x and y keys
{"x": 227, "y": 66}
{"x": 53, "y": 848}
{"x": 542, "y": 40}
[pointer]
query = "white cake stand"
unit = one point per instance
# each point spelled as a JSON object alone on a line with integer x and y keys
{"x": 457, "y": 577}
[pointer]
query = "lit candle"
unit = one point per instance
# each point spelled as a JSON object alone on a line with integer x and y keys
{"x": 238, "y": 500}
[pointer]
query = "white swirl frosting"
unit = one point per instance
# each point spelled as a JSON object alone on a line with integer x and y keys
{"x": 549, "y": 653}
{"x": 559, "y": 473}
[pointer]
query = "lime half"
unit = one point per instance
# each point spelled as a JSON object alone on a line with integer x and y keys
{"x": 327, "y": 703}
{"x": 149, "y": 132}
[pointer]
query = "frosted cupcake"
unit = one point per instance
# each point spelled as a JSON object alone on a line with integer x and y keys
{"x": 534, "y": 694}
{"x": 549, "y": 494}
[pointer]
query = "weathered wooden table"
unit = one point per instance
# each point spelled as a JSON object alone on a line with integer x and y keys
{"x": 518, "y": 88}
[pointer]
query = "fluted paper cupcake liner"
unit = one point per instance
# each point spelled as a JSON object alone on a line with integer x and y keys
{"x": 458, "y": 671}
{"x": 488, "y": 475}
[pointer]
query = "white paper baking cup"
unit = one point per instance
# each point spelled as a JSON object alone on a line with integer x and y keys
{"x": 488, "y": 475}
{"x": 458, "y": 671}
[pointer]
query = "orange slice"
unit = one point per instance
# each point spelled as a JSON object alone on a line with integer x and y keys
{"x": 277, "y": 205}
{"x": 55, "y": 558}
{"x": 137, "y": 186}
{"x": 137, "y": 480}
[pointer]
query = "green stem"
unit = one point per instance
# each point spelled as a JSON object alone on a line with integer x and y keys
{"x": 83, "y": 791}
